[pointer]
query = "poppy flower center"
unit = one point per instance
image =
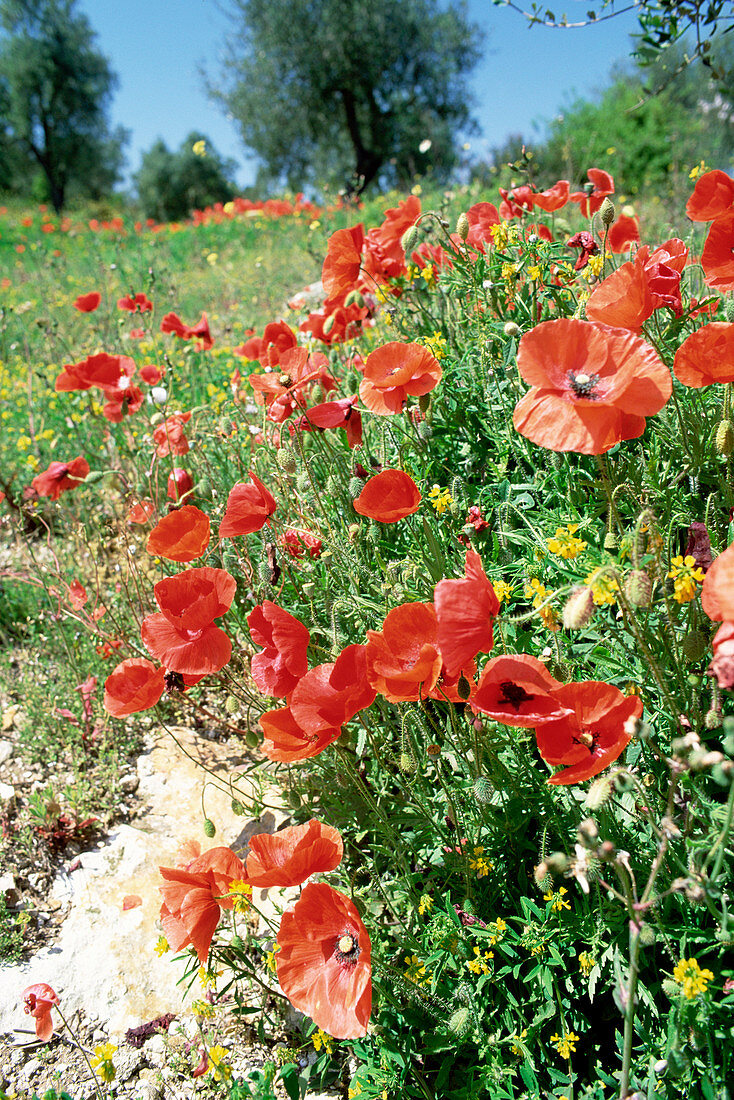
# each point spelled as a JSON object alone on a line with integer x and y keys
{"x": 583, "y": 385}
{"x": 513, "y": 694}
{"x": 590, "y": 740}
{"x": 174, "y": 682}
{"x": 346, "y": 949}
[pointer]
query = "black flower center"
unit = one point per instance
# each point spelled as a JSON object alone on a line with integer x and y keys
{"x": 583, "y": 385}
{"x": 346, "y": 949}
{"x": 514, "y": 695}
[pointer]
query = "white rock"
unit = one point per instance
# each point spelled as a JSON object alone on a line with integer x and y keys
{"x": 7, "y": 794}
{"x": 6, "y": 751}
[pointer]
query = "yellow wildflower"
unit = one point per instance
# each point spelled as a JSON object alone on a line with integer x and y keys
{"x": 102, "y": 1062}
{"x": 425, "y": 904}
{"x": 354, "y": 1090}
{"x": 603, "y": 587}
{"x": 685, "y": 576}
{"x": 436, "y": 344}
{"x": 697, "y": 170}
{"x": 594, "y": 267}
{"x": 557, "y": 899}
{"x": 479, "y": 864}
{"x": 270, "y": 957}
{"x": 502, "y": 590}
{"x": 517, "y": 1044}
{"x": 207, "y": 977}
{"x": 241, "y": 893}
{"x": 565, "y": 544}
{"x": 440, "y": 499}
{"x": 321, "y": 1039}
{"x": 428, "y": 275}
{"x": 478, "y": 965}
{"x": 565, "y": 1044}
{"x": 692, "y": 978}
{"x": 203, "y": 1009}
{"x": 509, "y": 272}
{"x": 587, "y": 963}
{"x": 415, "y": 970}
{"x": 199, "y": 148}
{"x": 161, "y": 946}
{"x": 533, "y": 272}
{"x": 218, "y": 1063}
{"x": 499, "y": 234}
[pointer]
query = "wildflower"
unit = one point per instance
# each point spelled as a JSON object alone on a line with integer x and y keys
{"x": 321, "y": 1040}
{"x": 706, "y": 356}
{"x": 285, "y": 739}
{"x": 199, "y": 332}
{"x": 324, "y": 964}
{"x": 39, "y": 999}
{"x": 355, "y": 1090}
{"x": 135, "y": 685}
{"x": 203, "y": 1009}
{"x": 476, "y": 519}
{"x": 161, "y": 946}
{"x": 587, "y": 963}
{"x": 604, "y": 587}
{"x": 692, "y": 979}
{"x": 696, "y": 171}
{"x": 193, "y": 898}
{"x": 292, "y": 855}
{"x": 465, "y": 610}
{"x": 179, "y": 485}
{"x": 87, "y": 303}
{"x": 340, "y": 270}
{"x": 481, "y": 218}
{"x": 565, "y": 1044}
{"x": 403, "y": 660}
{"x": 135, "y": 303}
{"x": 425, "y": 905}
{"x": 199, "y": 148}
{"x": 337, "y": 414}
{"x": 436, "y": 344}
{"x": 61, "y": 477}
{"x": 331, "y": 694}
{"x": 218, "y": 1063}
{"x": 208, "y": 977}
{"x": 388, "y": 497}
{"x": 517, "y": 690}
{"x": 588, "y": 246}
{"x": 182, "y": 535}
{"x": 533, "y": 272}
{"x": 712, "y": 196}
{"x": 415, "y": 970}
{"x": 478, "y": 863}
{"x": 717, "y": 259}
{"x": 102, "y": 1062}
{"x": 722, "y": 665}
{"x": 170, "y": 438}
{"x": 685, "y": 576}
{"x": 478, "y": 965}
{"x": 183, "y": 637}
{"x": 394, "y": 372}
{"x": 557, "y": 899}
{"x": 502, "y": 590}
{"x": 517, "y": 1043}
{"x": 499, "y": 233}
{"x": 603, "y": 185}
{"x": 270, "y": 957}
{"x": 594, "y": 267}
{"x": 565, "y": 544}
{"x": 249, "y": 508}
{"x": 241, "y": 894}
{"x": 509, "y": 272}
{"x": 440, "y": 499}
{"x": 283, "y": 661}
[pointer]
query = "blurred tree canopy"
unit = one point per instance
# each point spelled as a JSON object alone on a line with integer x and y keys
{"x": 343, "y": 91}
{"x": 171, "y": 185}
{"x": 55, "y": 90}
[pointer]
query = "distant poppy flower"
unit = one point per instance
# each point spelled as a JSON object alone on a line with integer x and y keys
{"x": 338, "y": 414}
{"x": 134, "y": 304}
{"x": 388, "y": 497}
{"x": 623, "y": 299}
{"x": 383, "y": 253}
{"x": 593, "y": 386}
{"x": 329, "y": 695}
{"x": 706, "y": 356}
{"x": 592, "y": 734}
{"x": 554, "y": 198}
{"x": 87, "y": 303}
{"x": 290, "y": 856}
{"x": 717, "y": 258}
{"x": 337, "y": 321}
{"x": 516, "y": 201}
{"x": 284, "y": 658}
{"x": 623, "y": 233}
{"x": 109, "y": 373}
{"x": 39, "y": 999}
{"x": 603, "y": 186}
{"x": 340, "y": 271}
{"x": 277, "y": 338}
{"x": 403, "y": 661}
{"x": 135, "y": 685}
{"x": 722, "y": 665}
{"x": 296, "y": 543}
{"x": 142, "y": 511}
{"x": 199, "y": 332}
{"x": 288, "y": 741}
{"x": 183, "y": 637}
{"x": 193, "y": 899}
{"x": 395, "y": 371}
{"x": 663, "y": 268}
{"x": 717, "y": 592}
{"x": 179, "y": 485}
{"x": 517, "y": 691}
{"x": 465, "y": 610}
{"x": 77, "y": 595}
{"x": 712, "y": 196}
{"x": 481, "y": 217}
{"x": 323, "y": 964}
{"x": 170, "y": 437}
{"x": 61, "y": 477}
{"x": 587, "y": 244}
{"x": 249, "y": 507}
{"x": 182, "y": 535}
{"x": 150, "y": 374}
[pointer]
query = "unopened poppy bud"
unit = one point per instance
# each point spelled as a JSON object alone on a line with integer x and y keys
{"x": 483, "y": 789}
{"x": 542, "y": 876}
{"x": 712, "y": 721}
{"x": 286, "y": 459}
{"x": 607, "y": 212}
{"x": 353, "y": 532}
{"x": 424, "y": 403}
{"x": 353, "y": 298}
{"x": 231, "y": 704}
{"x": 459, "y": 1021}
{"x": 409, "y": 239}
{"x": 511, "y": 329}
{"x": 356, "y": 485}
{"x": 724, "y": 438}
{"x": 611, "y": 542}
{"x": 406, "y": 763}
{"x": 237, "y": 808}
{"x": 588, "y": 833}
{"x": 425, "y": 431}
{"x": 251, "y": 739}
{"x": 647, "y": 935}
{"x": 462, "y": 226}
{"x": 599, "y": 793}
{"x": 694, "y": 645}
{"x": 463, "y": 688}
{"x": 638, "y": 588}
{"x": 579, "y": 608}
{"x": 329, "y": 324}
{"x": 210, "y": 828}
{"x": 557, "y": 863}
{"x": 729, "y": 309}
{"x": 204, "y": 488}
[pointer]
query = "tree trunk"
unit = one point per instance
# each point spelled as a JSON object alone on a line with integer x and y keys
{"x": 367, "y": 161}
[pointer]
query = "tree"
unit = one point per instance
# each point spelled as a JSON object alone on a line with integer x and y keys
{"x": 324, "y": 90}
{"x": 57, "y": 89}
{"x": 171, "y": 185}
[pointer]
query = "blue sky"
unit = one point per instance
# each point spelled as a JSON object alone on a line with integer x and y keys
{"x": 158, "y": 47}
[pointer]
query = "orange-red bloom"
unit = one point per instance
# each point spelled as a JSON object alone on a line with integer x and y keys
{"x": 142, "y": 511}
{"x": 323, "y": 964}
{"x": 623, "y": 234}
{"x": 395, "y": 371}
{"x": 603, "y": 186}
{"x": 343, "y": 260}
{"x": 517, "y": 690}
{"x": 712, "y": 196}
{"x": 109, "y": 373}
{"x": 465, "y": 610}
{"x": 554, "y": 198}
{"x": 137, "y": 303}
{"x": 722, "y": 665}
{"x": 286, "y": 740}
{"x": 290, "y": 856}
{"x": 170, "y": 437}
{"x": 624, "y": 298}
{"x": 593, "y": 386}
{"x": 193, "y": 898}
{"x": 87, "y": 303}
{"x": 179, "y": 484}
{"x": 706, "y": 356}
{"x": 592, "y": 735}
{"x": 403, "y": 661}
{"x": 61, "y": 477}
{"x": 182, "y": 535}
{"x": 39, "y": 999}
{"x": 481, "y": 217}
{"x": 717, "y": 259}
{"x": 133, "y": 686}
{"x": 249, "y": 507}
{"x": 199, "y": 332}
{"x": 388, "y": 497}
{"x": 331, "y": 694}
{"x": 338, "y": 414}
{"x": 283, "y": 661}
{"x": 717, "y": 593}
{"x": 183, "y": 637}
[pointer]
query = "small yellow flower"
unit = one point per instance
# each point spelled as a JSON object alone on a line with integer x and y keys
{"x": 478, "y": 965}
{"x": 440, "y": 499}
{"x": 499, "y": 234}
{"x": 565, "y": 544}
{"x": 207, "y": 977}
{"x": 218, "y": 1063}
{"x": 587, "y": 963}
{"x": 241, "y": 893}
{"x": 203, "y": 1009}
{"x": 354, "y": 1090}
{"x": 436, "y": 344}
{"x": 161, "y": 946}
{"x": 692, "y": 978}
{"x": 509, "y": 272}
{"x": 479, "y": 864}
{"x": 321, "y": 1039}
{"x": 685, "y": 576}
{"x": 425, "y": 905}
{"x": 594, "y": 267}
{"x": 557, "y": 899}
{"x": 102, "y": 1063}
{"x": 696, "y": 171}
{"x": 603, "y": 587}
{"x": 565, "y": 1044}
{"x": 415, "y": 970}
{"x": 428, "y": 275}
{"x": 533, "y": 272}
{"x": 270, "y": 958}
{"x": 516, "y": 1043}
{"x": 502, "y": 590}
{"x": 212, "y": 258}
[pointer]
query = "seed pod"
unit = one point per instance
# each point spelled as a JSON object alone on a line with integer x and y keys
{"x": 647, "y": 935}
{"x": 252, "y": 739}
{"x": 406, "y": 763}
{"x": 694, "y": 645}
{"x": 231, "y": 704}
{"x": 425, "y": 431}
{"x": 356, "y": 485}
{"x": 210, "y": 828}
{"x": 462, "y": 226}
{"x": 611, "y": 542}
{"x": 511, "y": 329}
{"x": 463, "y": 688}
{"x": 237, "y": 808}
{"x": 607, "y": 212}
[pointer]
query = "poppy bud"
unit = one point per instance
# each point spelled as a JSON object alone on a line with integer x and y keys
{"x": 542, "y": 878}
{"x": 353, "y": 298}
{"x": 463, "y": 688}
{"x": 302, "y": 482}
{"x": 712, "y": 721}
{"x": 579, "y": 608}
{"x": 424, "y": 403}
{"x": 483, "y": 789}
{"x": 355, "y": 486}
{"x": 210, "y": 828}
{"x": 671, "y": 988}
{"x": 237, "y": 808}
{"x": 588, "y": 833}
{"x": 607, "y": 852}
{"x": 694, "y": 645}
{"x": 511, "y": 329}
{"x": 724, "y": 438}
{"x": 251, "y": 739}
{"x": 611, "y": 542}
{"x": 329, "y": 324}
{"x": 729, "y": 309}
{"x": 557, "y": 863}
{"x": 204, "y": 488}
{"x": 353, "y": 532}
{"x": 409, "y": 239}
{"x": 638, "y": 588}
{"x": 462, "y": 226}
{"x": 607, "y": 212}
{"x": 406, "y": 763}
{"x": 647, "y": 935}
{"x": 425, "y": 431}
{"x": 231, "y": 704}
{"x": 460, "y": 1020}
{"x": 309, "y": 589}
{"x": 286, "y": 459}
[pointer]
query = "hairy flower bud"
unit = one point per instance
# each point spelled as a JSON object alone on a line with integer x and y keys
{"x": 483, "y": 789}
{"x": 599, "y": 793}
{"x": 462, "y": 226}
{"x": 237, "y": 808}
{"x": 579, "y": 608}
{"x": 511, "y": 329}
{"x": 409, "y": 239}
{"x": 729, "y": 309}
{"x": 647, "y": 935}
{"x": 638, "y": 588}
{"x": 607, "y": 213}
{"x": 231, "y": 704}
{"x": 286, "y": 459}
{"x": 460, "y": 1021}
{"x": 611, "y": 542}
{"x": 353, "y": 298}
{"x": 724, "y": 438}
{"x": 588, "y": 833}
{"x": 694, "y": 645}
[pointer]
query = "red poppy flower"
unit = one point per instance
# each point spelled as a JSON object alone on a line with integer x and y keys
{"x": 403, "y": 662}
{"x": 182, "y": 535}
{"x": 446, "y": 688}
{"x": 183, "y": 637}
{"x": 336, "y": 322}
{"x": 588, "y": 245}
{"x": 603, "y": 185}
{"x": 142, "y": 511}
{"x": 61, "y": 477}
{"x": 717, "y": 593}
{"x": 516, "y": 690}
{"x": 249, "y": 507}
{"x": 395, "y": 371}
{"x": 277, "y": 338}
{"x": 290, "y": 856}
{"x": 296, "y": 543}
{"x": 286, "y": 740}
{"x": 199, "y": 332}
{"x": 465, "y": 610}
{"x": 624, "y": 298}
{"x": 515, "y": 202}
{"x": 87, "y": 303}
{"x": 481, "y": 217}
{"x": 331, "y": 694}
{"x": 717, "y": 259}
{"x": 39, "y": 999}
{"x": 388, "y": 497}
{"x": 323, "y": 964}
{"x": 592, "y": 735}
{"x": 179, "y": 485}
{"x": 593, "y": 386}
{"x": 383, "y": 253}
{"x": 133, "y": 686}
{"x": 623, "y": 234}
{"x": 706, "y": 356}
{"x": 338, "y": 414}
{"x": 170, "y": 438}
{"x": 722, "y": 665}
{"x": 663, "y": 269}
{"x": 283, "y": 661}
{"x": 77, "y": 595}
{"x": 712, "y": 196}
{"x": 193, "y": 899}
{"x": 137, "y": 303}
{"x": 554, "y": 198}
{"x": 151, "y": 374}
{"x": 109, "y": 373}
{"x": 343, "y": 260}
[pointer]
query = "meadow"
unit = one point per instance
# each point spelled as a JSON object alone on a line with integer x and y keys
{"x": 444, "y": 542}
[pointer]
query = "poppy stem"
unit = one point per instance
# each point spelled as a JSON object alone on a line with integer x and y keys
{"x": 83, "y": 1052}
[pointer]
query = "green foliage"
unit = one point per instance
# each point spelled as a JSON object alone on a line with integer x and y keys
{"x": 11, "y": 933}
{"x": 336, "y": 89}
{"x": 55, "y": 90}
{"x": 171, "y": 185}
